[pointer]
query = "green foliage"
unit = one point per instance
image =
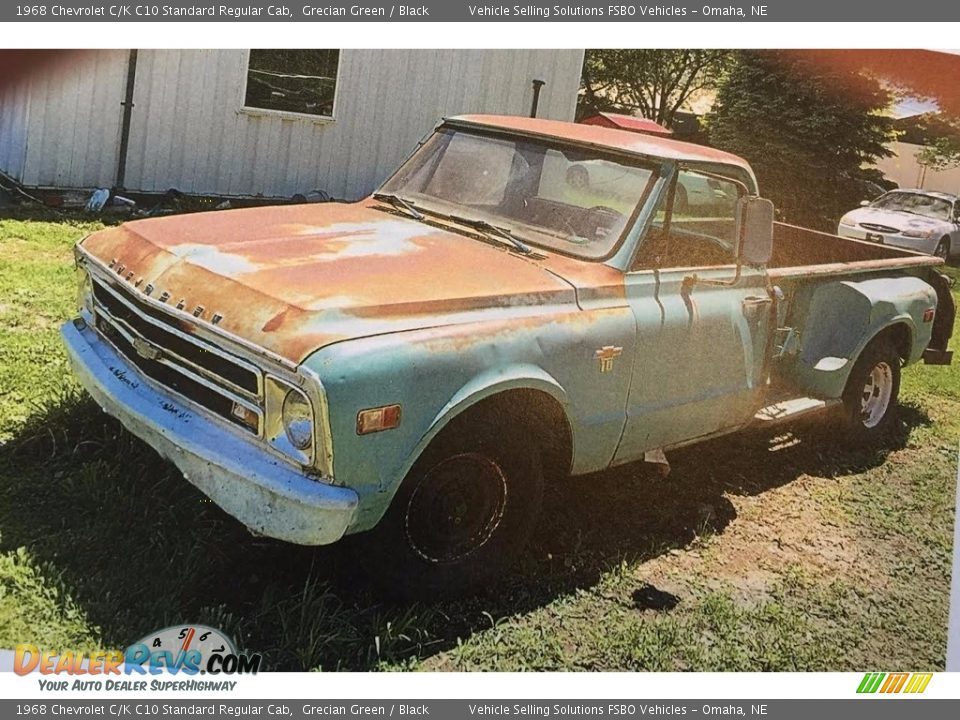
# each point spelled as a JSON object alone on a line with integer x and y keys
{"x": 655, "y": 82}
{"x": 807, "y": 129}
{"x": 942, "y": 154}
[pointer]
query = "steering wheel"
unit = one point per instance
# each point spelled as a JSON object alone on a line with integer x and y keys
{"x": 608, "y": 218}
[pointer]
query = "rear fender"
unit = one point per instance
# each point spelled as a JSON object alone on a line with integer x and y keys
{"x": 842, "y": 317}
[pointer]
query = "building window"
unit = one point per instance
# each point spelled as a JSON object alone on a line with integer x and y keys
{"x": 295, "y": 81}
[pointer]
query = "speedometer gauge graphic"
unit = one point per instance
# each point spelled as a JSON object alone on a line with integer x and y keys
{"x": 171, "y": 646}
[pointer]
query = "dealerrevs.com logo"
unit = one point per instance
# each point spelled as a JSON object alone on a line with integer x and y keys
{"x": 188, "y": 649}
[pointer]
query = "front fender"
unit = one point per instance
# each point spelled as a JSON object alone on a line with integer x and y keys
{"x": 438, "y": 373}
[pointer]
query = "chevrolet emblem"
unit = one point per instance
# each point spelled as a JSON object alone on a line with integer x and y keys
{"x": 606, "y": 355}
{"x": 146, "y": 349}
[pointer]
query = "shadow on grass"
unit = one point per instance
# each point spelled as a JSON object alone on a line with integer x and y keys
{"x": 141, "y": 549}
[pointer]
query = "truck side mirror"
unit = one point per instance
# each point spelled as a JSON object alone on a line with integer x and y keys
{"x": 756, "y": 230}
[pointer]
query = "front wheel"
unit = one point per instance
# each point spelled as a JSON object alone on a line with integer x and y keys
{"x": 870, "y": 397}
{"x": 460, "y": 517}
{"x": 942, "y": 250}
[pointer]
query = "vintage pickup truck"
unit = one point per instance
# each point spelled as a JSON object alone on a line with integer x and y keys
{"x": 413, "y": 366}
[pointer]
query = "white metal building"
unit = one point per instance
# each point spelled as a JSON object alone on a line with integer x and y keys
{"x": 192, "y": 126}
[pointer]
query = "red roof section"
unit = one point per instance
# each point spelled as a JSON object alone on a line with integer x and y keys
{"x": 608, "y": 138}
{"x": 628, "y": 122}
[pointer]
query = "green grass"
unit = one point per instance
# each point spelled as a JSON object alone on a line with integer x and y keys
{"x": 782, "y": 553}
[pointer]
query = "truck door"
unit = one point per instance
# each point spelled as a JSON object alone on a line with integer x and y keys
{"x": 701, "y": 331}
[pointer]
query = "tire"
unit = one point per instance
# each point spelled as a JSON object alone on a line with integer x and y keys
{"x": 942, "y": 250}
{"x": 462, "y": 514}
{"x": 870, "y": 397}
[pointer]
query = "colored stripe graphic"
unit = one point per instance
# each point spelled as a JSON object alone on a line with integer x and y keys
{"x": 892, "y": 683}
{"x": 870, "y": 682}
{"x": 918, "y": 682}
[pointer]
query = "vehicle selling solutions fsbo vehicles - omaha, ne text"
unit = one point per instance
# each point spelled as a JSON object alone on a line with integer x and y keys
{"x": 416, "y": 365}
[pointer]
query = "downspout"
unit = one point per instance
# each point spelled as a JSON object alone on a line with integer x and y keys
{"x": 125, "y": 124}
{"x": 537, "y": 84}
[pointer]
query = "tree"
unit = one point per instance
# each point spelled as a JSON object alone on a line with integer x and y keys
{"x": 656, "y": 83}
{"x": 941, "y": 154}
{"x": 807, "y": 128}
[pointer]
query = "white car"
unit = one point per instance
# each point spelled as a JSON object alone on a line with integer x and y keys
{"x": 921, "y": 220}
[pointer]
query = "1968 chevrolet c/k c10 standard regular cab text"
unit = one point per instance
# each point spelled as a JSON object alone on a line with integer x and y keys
{"x": 417, "y": 363}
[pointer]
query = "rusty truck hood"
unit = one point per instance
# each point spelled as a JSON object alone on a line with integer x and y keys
{"x": 295, "y": 278}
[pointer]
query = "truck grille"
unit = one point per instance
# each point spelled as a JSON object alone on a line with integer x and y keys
{"x": 158, "y": 344}
{"x": 873, "y": 227}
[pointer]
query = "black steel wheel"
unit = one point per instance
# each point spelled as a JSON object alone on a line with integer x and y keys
{"x": 462, "y": 514}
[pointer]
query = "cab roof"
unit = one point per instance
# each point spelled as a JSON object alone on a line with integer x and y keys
{"x": 604, "y": 137}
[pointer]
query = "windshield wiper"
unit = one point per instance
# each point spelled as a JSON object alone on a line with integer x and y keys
{"x": 399, "y": 202}
{"x": 491, "y": 229}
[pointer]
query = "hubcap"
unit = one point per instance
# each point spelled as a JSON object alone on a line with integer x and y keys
{"x": 941, "y": 251}
{"x": 875, "y": 398}
{"x": 456, "y": 508}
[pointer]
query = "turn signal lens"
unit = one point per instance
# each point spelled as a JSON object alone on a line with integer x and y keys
{"x": 377, "y": 419}
{"x": 246, "y": 416}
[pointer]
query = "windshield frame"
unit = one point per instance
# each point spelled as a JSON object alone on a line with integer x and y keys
{"x": 653, "y": 164}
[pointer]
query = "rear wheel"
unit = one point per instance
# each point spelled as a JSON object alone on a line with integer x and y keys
{"x": 942, "y": 250}
{"x": 461, "y": 515}
{"x": 870, "y": 397}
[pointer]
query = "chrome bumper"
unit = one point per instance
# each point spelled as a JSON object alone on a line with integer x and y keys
{"x": 265, "y": 494}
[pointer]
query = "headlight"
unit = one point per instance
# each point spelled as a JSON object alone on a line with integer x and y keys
{"x": 919, "y": 233}
{"x": 845, "y": 220}
{"x": 298, "y": 420}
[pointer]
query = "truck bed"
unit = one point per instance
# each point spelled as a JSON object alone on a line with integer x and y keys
{"x": 801, "y": 253}
{"x": 811, "y": 271}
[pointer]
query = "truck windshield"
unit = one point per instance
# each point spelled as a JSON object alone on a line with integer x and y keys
{"x": 575, "y": 200}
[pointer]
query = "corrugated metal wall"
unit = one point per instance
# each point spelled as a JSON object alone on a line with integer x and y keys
{"x": 14, "y": 112}
{"x": 74, "y": 121}
{"x": 189, "y": 130}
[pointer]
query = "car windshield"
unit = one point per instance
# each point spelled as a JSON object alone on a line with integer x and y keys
{"x": 916, "y": 203}
{"x": 575, "y": 200}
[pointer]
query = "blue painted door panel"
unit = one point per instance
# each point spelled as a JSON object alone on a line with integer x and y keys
{"x": 699, "y": 364}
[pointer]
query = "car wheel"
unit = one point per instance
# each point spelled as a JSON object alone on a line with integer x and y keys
{"x": 461, "y": 515}
{"x": 942, "y": 250}
{"x": 870, "y": 396}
